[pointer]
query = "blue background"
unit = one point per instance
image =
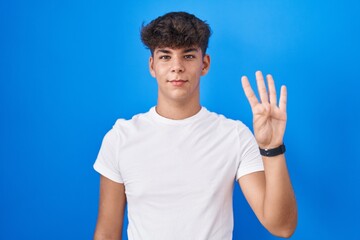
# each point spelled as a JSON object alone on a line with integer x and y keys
{"x": 69, "y": 69}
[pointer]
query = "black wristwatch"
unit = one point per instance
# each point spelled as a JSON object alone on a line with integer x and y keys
{"x": 273, "y": 152}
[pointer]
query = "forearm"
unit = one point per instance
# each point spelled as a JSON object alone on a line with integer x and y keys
{"x": 279, "y": 207}
{"x": 100, "y": 236}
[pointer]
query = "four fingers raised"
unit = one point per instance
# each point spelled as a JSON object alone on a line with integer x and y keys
{"x": 265, "y": 96}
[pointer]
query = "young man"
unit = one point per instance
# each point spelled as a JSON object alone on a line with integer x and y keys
{"x": 175, "y": 166}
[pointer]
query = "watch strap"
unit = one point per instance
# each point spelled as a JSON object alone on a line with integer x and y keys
{"x": 273, "y": 151}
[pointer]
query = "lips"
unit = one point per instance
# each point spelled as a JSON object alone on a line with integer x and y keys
{"x": 177, "y": 83}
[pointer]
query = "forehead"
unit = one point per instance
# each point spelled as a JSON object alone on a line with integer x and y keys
{"x": 169, "y": 50}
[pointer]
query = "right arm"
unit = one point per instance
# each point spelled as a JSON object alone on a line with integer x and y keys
{"x": 111, "y": 210}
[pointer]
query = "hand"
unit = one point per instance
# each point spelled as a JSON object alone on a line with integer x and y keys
{"x": 269, "y": 119}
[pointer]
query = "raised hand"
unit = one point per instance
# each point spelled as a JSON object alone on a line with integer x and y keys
{"x": 269, "y": 118}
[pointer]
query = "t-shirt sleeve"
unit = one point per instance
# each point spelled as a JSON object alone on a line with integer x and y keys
{"x": 106, "y": 162}
{"x": 250, "y": 159}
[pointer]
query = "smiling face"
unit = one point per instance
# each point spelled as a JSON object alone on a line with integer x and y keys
{"x": 178, "y": 73}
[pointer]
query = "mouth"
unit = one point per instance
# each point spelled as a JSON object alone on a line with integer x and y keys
{"x": 177, "y": 83}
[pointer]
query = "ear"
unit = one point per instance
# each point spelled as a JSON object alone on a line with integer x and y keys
{"x": 151, "y": 67}
{"x": 206, "y": 65}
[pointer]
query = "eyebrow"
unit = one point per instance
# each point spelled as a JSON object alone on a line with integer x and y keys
{"x": 190, "y": 50}
{"x": 185, "y": 50}
{"x": 163, "y": 51}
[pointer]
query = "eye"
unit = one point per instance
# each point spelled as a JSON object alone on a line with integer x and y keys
{"x": 189, "y": 57}
{"x": 164, "y": 57}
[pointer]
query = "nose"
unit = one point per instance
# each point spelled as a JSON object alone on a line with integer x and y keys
{"x": 177, "y": 65}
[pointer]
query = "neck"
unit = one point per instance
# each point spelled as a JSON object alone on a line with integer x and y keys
{"x": 176, "y": 110}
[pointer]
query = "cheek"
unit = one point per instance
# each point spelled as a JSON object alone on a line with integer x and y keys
{"x": 160, "y": 70}
{"x": 200, "y": 71}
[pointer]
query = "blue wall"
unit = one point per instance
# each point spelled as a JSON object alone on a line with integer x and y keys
{"x": 68, "y": 69}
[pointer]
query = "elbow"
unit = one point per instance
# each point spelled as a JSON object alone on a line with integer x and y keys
{"x": 284, "y": 230}
{"x": 284, "y": 233}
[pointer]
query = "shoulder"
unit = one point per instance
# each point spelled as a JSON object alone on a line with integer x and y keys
{"x": 236, "y": 126}
{"x": 122, "y": 124}
{"x": 225, "y": 121}
{"x": 123, "y": 129}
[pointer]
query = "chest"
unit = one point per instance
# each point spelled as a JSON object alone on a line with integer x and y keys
{"x": 168, "y": 165}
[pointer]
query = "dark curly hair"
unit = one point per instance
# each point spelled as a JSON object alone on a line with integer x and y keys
{"x": 176, "y": 30}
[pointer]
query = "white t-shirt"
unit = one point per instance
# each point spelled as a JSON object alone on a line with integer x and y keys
{"x": 179, "y": 174}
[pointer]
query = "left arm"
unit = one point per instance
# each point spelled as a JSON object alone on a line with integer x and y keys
{"x": 270, "y": 193}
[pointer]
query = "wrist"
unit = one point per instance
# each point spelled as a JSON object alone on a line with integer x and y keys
{"x": 272, "y": 144}
{"x": 273, "y": 151}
